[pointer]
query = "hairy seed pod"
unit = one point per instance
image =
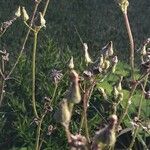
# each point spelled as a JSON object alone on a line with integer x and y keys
{"x": 63, "y": 115}
{"x": 74, "y": 95}
{"x": 107, "y": 136}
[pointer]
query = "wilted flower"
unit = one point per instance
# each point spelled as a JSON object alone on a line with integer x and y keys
{"x": 6, "y": 24}
{"x": 87, "y": 57}
{"x": 115, "y": 59}
{"x": 71, "y": 64}
{"x": 147, "y": 95}
{"x": 5, "y": 55}
{"x": 87, "y": 73}
{"x": 78, "y": 142}
{"x": 123, "y": 5}
{"x": 56, "y": 75}
{"x": 50, "y": 129}
{"x": 97, "y": 70}
{"x": 25, "y": 15}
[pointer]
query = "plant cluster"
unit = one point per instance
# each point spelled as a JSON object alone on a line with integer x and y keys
{"x": 72, "y": 93}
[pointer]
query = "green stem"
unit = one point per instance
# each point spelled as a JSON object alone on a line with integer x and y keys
{"x": 54, "y": 93}
{"x": 131, "y": 43}
{"x": 33, "y": 74}
{"x": 37, "y": 146}
{"x": 135, "y": 131}
{"x": 2, "y": 81}
{"x": 127, "y": 104}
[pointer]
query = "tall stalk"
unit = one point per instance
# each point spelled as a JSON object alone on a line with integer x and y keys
{"x": 131, "y": 44}
{"x": 123, "y": 6}
{"x": 33, "y": 74}
{"x": 136, "y": 129}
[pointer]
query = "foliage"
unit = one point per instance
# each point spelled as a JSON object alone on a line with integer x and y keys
{"x": 52, "y": 102}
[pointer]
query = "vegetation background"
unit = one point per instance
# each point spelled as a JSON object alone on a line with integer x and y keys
{"x": 97, "y": 21}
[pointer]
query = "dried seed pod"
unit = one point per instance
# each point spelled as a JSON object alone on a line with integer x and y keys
{"x": 143, "y": 50}
{"x": 25, "y": 15}
{"x": 63, "y": 115}
{"x": 115, "y": 92}
{"x": 114, "y": 63}
{"x": 101, "y": 62}
{"x": 42, "y": 20}
{"x": 87, "y": 57}
{"x": 107, "y": 136}
{"x": 110, "y": 50}
{"x": 102, "y": 91}
{"x": 18, "y": 12}
{"x": 74, "y": 95}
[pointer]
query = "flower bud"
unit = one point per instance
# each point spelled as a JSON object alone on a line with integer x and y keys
{"x": 71, "y": 64}
{"x": 18, "y": 12}
{"x": 114, "y": 63}
{"x": 24, "y": 14}
{"x": 87, "y": 57}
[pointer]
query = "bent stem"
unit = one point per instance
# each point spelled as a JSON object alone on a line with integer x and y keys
{"x": 131, "y": 43}
{"x": 136, "y": 129}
